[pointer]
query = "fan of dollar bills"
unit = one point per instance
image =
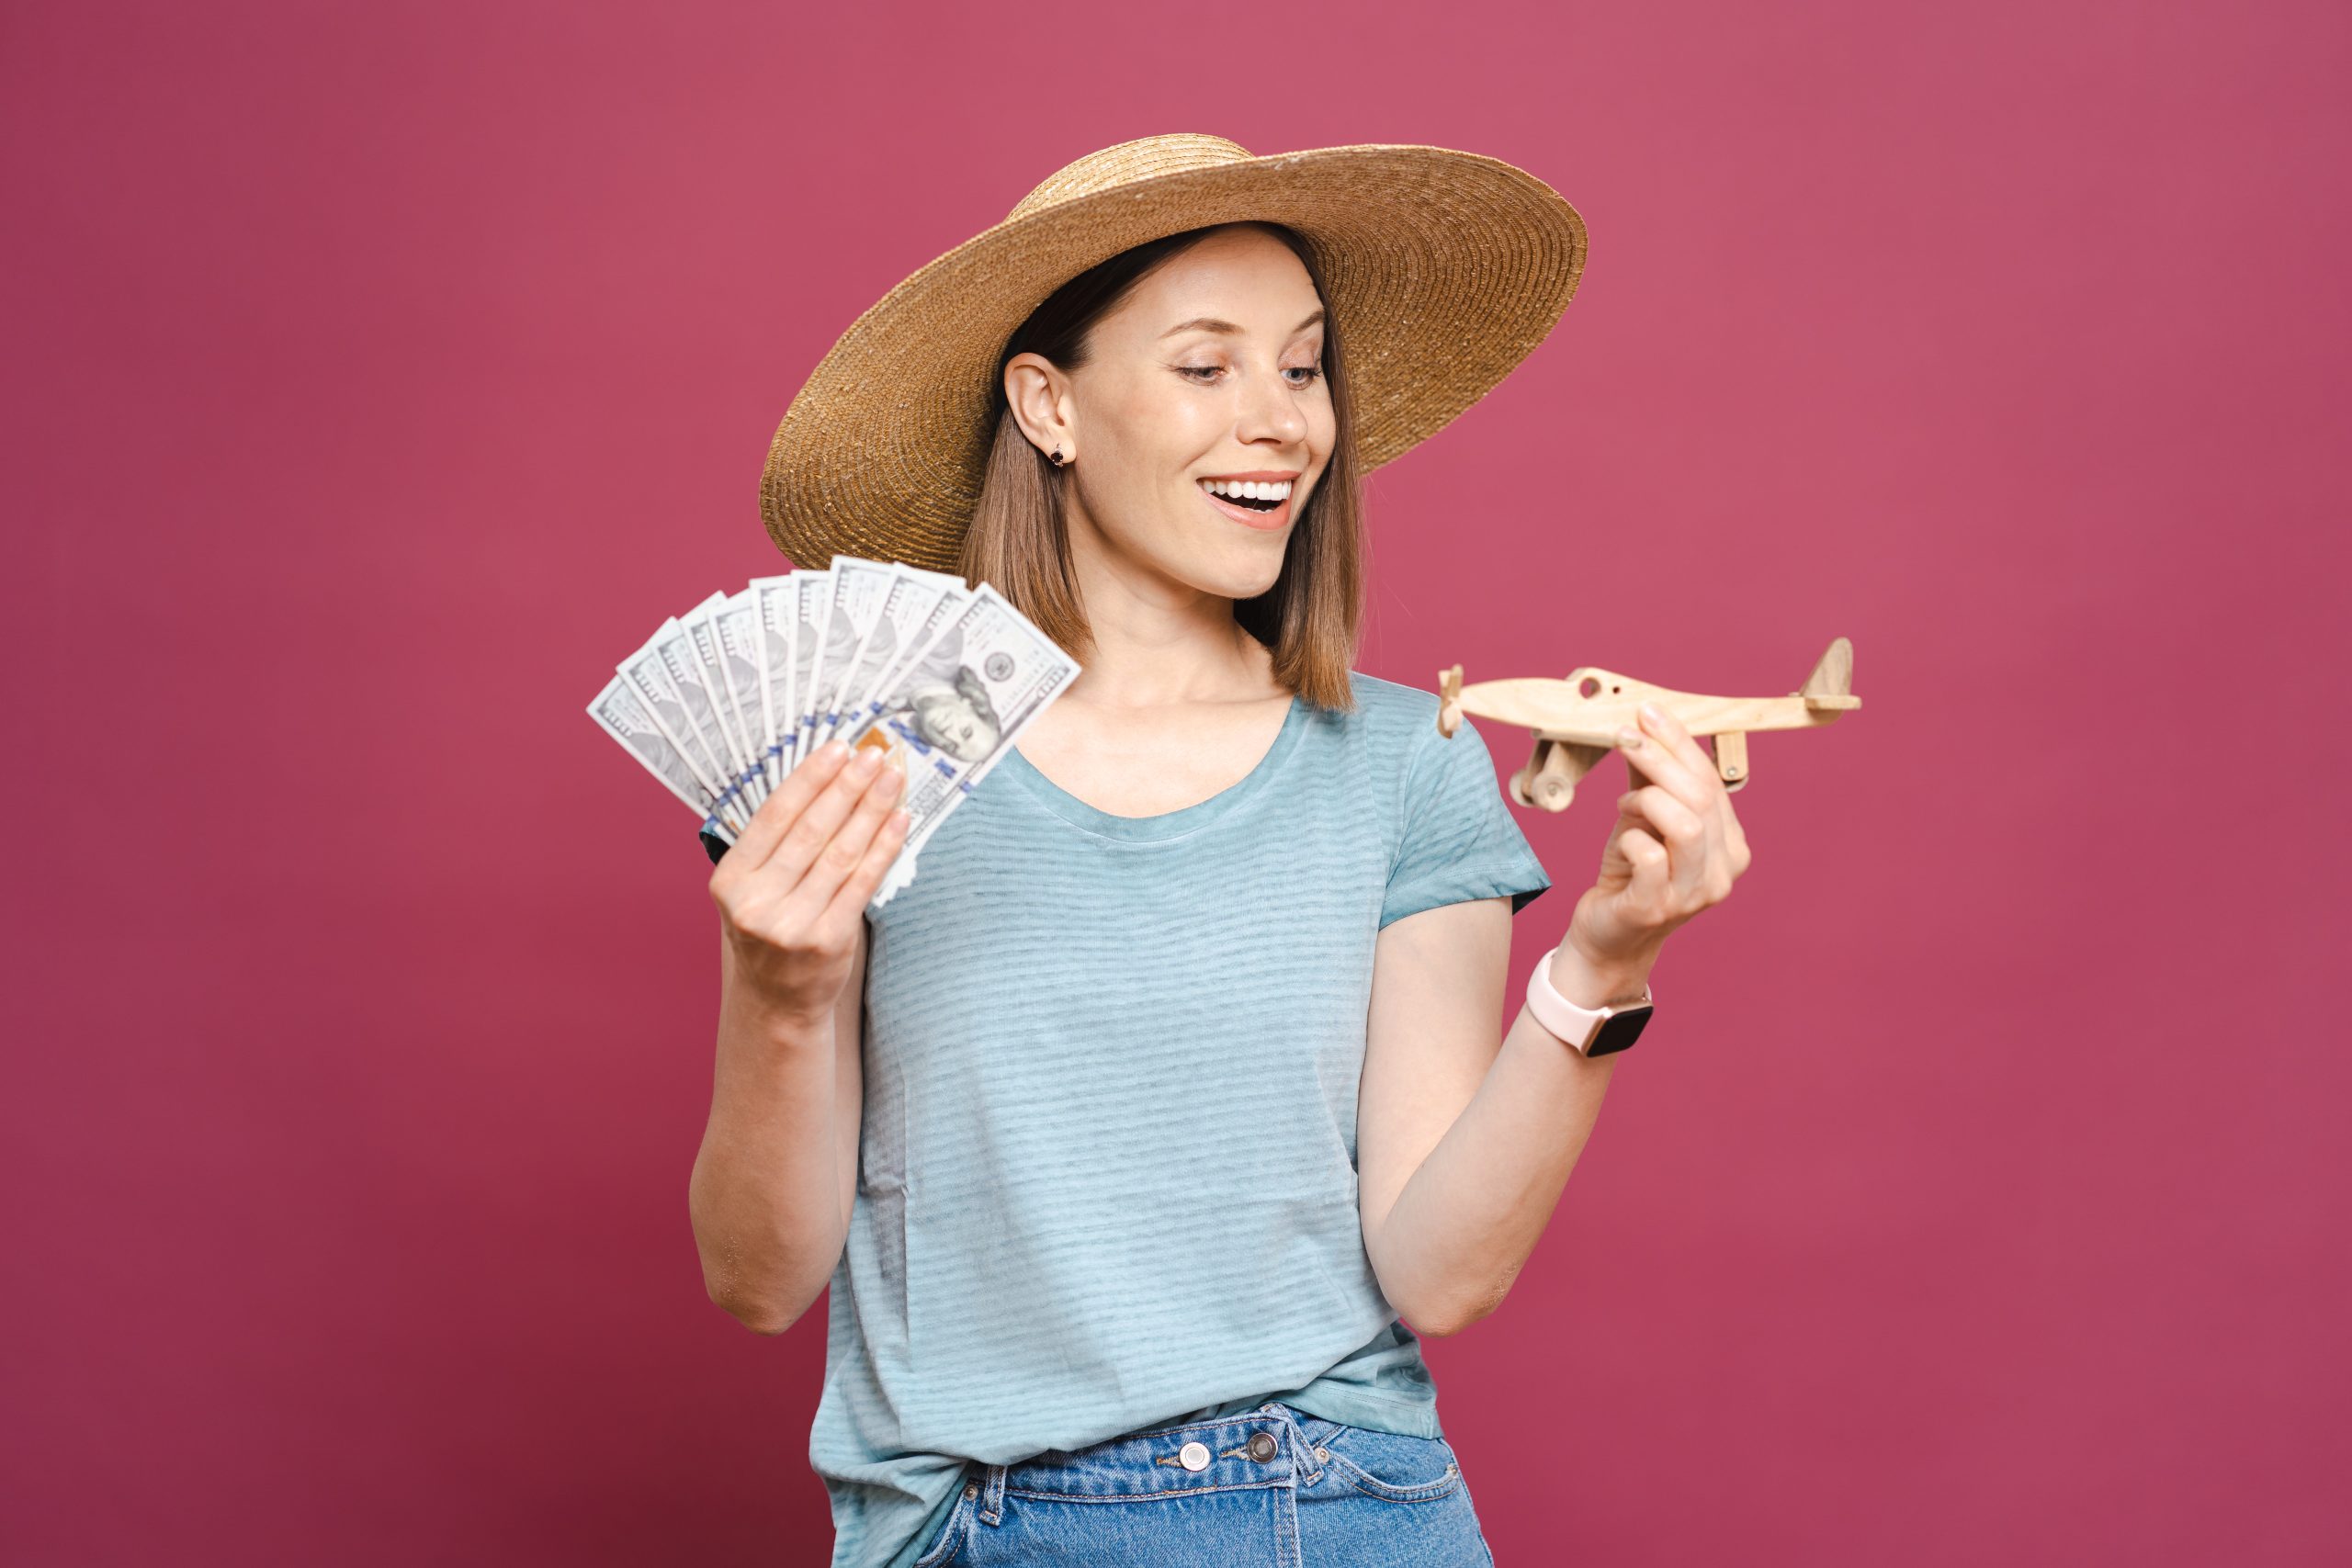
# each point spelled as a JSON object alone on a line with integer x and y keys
{"x": 723, "y": 700}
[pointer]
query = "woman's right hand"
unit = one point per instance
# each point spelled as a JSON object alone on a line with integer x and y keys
{"x": 792, "y": 890}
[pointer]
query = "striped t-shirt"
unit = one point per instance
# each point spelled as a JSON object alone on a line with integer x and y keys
{"x": 1107, "y": 1179}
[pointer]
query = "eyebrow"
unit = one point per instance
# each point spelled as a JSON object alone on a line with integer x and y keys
{"x": 1212, "y": 324}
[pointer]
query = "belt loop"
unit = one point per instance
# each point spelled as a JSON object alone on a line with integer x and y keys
{"x": 1305, "y": 1466}
{"x": 992, "y": 1495}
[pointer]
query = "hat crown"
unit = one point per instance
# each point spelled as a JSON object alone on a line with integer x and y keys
{"x": 1128, "y": 162}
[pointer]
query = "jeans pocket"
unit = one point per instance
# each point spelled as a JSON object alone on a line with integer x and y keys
{"x": 1394, "y": 1467}
{"x": 951, "y": 1539}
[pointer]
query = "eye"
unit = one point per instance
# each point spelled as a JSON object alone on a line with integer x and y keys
{"x": 1202, "y": 371}
{"x": 1313, "y": 373}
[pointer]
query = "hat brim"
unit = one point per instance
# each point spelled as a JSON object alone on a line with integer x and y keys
{"x": 1443, "y": 270}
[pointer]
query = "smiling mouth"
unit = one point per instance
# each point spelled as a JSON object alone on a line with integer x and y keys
{"x": 1251, "y": 513}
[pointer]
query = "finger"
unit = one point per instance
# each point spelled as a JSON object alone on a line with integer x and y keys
{"x": 1647, "y": 887}
{"x": 806, "y": 837}
{"x": 1712, "y": 800}
{"x": 1647, "y": 761}
{"x": 1735, "y": 833}
{"x": 781, "y": 810}
{"x": 849, "y": 903}
{"x": 1696, "y": 785}
{"x": 1663, "y": 722}
{"x": 837, "y": 856}
{"x": 1668, "y": 754}
{"x": 1684, "y": 831}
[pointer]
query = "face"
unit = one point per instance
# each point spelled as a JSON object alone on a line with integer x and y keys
{"x": 947, "y": 721}
{"x": 1211, "y": 369}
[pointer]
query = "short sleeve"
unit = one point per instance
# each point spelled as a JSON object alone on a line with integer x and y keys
{"x": 1459, "y": 839}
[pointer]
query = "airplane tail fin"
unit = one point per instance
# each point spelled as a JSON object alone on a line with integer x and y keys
{"x": 1829, "y": 690}
{"x": 1834, "y": 676}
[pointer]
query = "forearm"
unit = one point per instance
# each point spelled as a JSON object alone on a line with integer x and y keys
{"x": 764, "y": 1196}
{"x": 1467, "y": 1220}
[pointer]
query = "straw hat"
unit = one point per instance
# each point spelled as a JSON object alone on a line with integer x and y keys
{"x": 1443, "y": 270}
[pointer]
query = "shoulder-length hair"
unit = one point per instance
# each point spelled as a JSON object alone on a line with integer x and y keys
{"x": 1018, "y": 542}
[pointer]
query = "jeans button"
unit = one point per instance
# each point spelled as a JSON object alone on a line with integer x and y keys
{"x": 1261, "y": 1445}
{"x": 1194, "y": 1456}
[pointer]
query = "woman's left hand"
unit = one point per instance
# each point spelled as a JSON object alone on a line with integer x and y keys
{"x": 1675, "y": 849}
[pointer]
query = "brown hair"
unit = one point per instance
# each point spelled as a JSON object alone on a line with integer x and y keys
{"x": 1018, "y": 543}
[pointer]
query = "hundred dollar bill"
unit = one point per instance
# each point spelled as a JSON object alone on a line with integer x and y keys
{"x": 776, "y": 622}
{"x": 914, "y": 609}
{"x": 816, "y": 613}
{"x": 721, "y": 703}
{"x": 860, "y": 588}
{"x": 642, "y": 673}
{"x": 718, "y": 681}
{"x": 963, "y": 701}
{"x": 736, "y": 623}
{"x": 671, "y": 655}
{"x": 625, "y": 718}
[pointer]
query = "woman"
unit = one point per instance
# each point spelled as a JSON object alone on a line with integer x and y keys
{"x": 1126, "y": 1133}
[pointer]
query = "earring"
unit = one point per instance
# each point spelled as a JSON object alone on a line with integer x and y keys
{"x": 1057, "y": 459}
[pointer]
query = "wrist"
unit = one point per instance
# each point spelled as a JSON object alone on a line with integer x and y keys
{"x": 751, "y": 1017}
{"x": 1589, "y": 981}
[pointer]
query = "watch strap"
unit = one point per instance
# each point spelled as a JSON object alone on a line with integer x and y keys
{"x": 1577, "y": 1027}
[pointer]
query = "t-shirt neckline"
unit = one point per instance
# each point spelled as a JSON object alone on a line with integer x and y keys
{"x": 1166, "y": 824}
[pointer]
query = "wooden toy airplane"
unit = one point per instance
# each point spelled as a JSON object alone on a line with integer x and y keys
{"x": 1575, "y": 719}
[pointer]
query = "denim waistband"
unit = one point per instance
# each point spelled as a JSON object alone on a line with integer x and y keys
{"x": 1271, "y": 1446}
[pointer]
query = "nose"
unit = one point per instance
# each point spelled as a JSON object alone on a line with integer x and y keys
{"x": 1270, "y": 410}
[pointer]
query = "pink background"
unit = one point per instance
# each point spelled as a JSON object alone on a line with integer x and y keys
{"x": 377, "y": 375}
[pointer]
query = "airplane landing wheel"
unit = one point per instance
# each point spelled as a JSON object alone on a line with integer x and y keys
{"x": 1549, "y": 780}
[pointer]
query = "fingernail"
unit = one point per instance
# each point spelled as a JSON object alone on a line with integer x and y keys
{"x": 1652, "y": 712}
{"x": 836, "y": 750}
{"x": 867, "y": 761}
{"x": 1629, "y": 737}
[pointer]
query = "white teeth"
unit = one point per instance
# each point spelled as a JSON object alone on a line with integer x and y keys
{"x": 1250, "y": 490}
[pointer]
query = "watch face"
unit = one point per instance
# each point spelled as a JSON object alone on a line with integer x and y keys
{"x": 1618, "y": 1030}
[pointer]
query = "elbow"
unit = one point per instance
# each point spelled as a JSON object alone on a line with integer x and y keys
{"x": 1442, "y": 1327}
{"x": 1438, "y": 1322}
{"x": 760, "y": 1317}
{"x": 761, "y": 1312}
{"x": 1448, "y": 1326}
{"x": 764, "y": 1306}
{"x": 1445, "y": 1322}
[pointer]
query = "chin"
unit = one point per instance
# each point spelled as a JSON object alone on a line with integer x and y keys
{"x": 1238, "y": 580}
{"x": 1241, "y": 564}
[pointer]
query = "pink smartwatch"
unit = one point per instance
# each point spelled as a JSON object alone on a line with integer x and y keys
{"x": 1592, "y": 1031}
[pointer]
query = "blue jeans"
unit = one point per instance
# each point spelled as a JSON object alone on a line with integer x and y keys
{"x": 1275, "y": 1488}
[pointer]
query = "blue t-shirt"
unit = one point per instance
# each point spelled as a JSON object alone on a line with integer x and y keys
{"x": 1107, "y": 1175}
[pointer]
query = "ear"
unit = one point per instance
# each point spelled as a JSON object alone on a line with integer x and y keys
{"x": 1038, "y": 394}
